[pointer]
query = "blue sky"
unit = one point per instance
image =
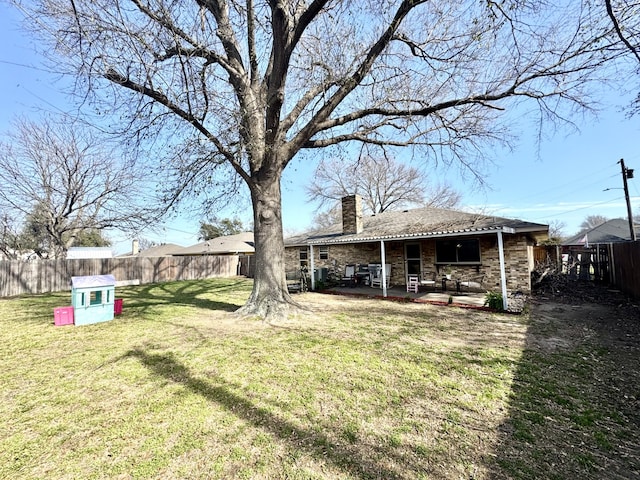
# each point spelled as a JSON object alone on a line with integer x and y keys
{"x": 564, "y": 180}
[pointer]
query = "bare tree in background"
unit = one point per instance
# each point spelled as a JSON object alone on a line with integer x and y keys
{"x": 383, "y": 183}
{"x": 556, "y": 232}
{"x": 592, "y": 221}
{"x": 62, "y": 184}
{"x": 245, "y": 86}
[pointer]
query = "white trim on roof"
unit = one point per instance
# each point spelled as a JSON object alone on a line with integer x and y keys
{"x": 412, "y": 236}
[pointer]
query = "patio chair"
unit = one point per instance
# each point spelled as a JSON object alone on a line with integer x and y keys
{"x": 376, "y": 276}
{"x": 349, "y": 278}
{"x": 429, "y": 281}
{"x": 412, "y": 283}
{"x": 294, "y": 283}
{"x": 472, "y": 282}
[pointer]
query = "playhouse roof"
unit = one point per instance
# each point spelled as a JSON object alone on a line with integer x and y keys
{"x": 93, "y": 281}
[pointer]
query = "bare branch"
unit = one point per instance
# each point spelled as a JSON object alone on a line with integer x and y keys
{"x": 618, "y": 30}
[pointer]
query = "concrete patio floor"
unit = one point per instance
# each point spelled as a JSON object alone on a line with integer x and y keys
{"x": 439, "y": 297}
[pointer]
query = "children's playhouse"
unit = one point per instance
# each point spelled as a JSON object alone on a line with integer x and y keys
{"x": 93, "y": 298}
{"x": 92, "y": 301}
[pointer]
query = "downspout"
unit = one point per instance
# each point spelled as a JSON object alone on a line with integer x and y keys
{"x": 503, "y": 277}
{"x": 383, "y": 256}
{"x": 313, "y": 277}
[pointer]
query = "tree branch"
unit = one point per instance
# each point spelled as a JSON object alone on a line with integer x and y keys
{"x": 350, "y": 83}
{"x": 162, "y": 99}
{"x": 616, "y": 26}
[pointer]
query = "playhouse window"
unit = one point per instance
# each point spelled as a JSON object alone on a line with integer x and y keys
{"x": 95, "y": 297}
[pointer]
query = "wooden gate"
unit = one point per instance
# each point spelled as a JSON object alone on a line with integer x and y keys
{"x": 587, "y": 263}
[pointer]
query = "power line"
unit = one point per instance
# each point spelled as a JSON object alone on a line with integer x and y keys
{"x": 581, "y": 208}
{"x": 30, "y": 67}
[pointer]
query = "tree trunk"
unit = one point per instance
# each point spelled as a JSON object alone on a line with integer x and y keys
{"x": 270, "y": 299}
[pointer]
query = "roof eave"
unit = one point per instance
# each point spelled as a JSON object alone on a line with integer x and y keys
{"x": 414, "y": 236}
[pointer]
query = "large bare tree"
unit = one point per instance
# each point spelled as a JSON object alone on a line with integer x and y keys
{"x": 625, "y": 17}
{"x": 383, "y": 182}
{"x": 63, "y": 184}
{"x": 250, "y": 84}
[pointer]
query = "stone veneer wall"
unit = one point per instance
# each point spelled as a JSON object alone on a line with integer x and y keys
{"x": 517, "y": 251}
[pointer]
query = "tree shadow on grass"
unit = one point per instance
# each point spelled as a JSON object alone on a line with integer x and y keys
{"x": 38, "y": 309}
{"x": 318, "y": 444}
{"x": 185, "y": 293}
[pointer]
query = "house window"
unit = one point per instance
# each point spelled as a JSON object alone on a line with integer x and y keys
{"x": 458, "y": 251}
{"x": 324, "y": 253}
{"x": 304, "y": 257}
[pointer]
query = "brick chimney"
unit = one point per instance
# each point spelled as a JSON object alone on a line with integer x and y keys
{"x": 135, "y": 247}
{"x": 352, "y": 214}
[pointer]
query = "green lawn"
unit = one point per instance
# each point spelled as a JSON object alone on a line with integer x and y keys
{"x": 178, "y": 387}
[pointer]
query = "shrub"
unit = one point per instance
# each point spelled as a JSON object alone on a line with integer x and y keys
{"x": 494, "y": 300}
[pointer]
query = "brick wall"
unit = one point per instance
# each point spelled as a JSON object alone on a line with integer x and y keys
{"x": 518, "y": 261}
{"x": 352, "y": 221}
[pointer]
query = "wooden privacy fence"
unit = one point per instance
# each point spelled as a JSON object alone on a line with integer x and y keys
{"x": 588, "y": 263}
{"x": 617, "y": 264}
{"x": 626, "y": 267}
{"x": 17, "y": 278}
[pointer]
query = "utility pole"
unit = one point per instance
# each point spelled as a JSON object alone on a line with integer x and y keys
{"x": 628, "y": 173}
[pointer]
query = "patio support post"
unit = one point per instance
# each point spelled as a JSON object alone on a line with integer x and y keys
{"x": 313, "y": 277}
{"x": 503, "y": 278}
{"x": 383, "y": 257}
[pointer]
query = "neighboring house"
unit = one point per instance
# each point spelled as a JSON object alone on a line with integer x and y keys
{"x": 74, "y": 253}
{"x": 239, "y": 244}
{"x": 611, "y": 231}
{"x": 162, "y": 250}
{"x": 427, "y": 242}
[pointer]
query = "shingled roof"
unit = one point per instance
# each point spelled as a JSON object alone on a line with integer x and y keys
{"x": 611, "y": 231}
{"x": 240, "y": 243}
{"x": 418, "y": 223}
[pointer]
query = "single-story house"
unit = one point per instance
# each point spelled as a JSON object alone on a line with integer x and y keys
{"x": 490, "y": 252}
{"x": 611, "y": 231}
{"x": 238, "y": 244}
{"x": 162, "y": 250}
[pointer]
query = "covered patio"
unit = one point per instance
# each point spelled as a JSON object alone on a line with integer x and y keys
{"x": 437, "y": 297}
{"x": 449, "y": 253}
